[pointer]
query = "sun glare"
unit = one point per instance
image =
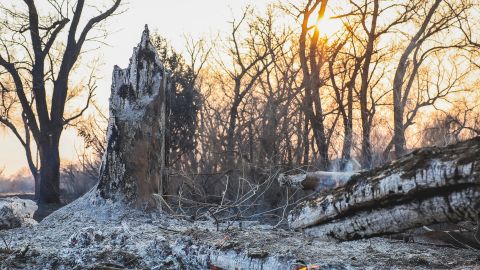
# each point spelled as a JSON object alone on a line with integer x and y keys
{"x": 328, "y": 26}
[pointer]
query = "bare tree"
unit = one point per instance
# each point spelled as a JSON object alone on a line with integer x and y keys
{"x": 435, "y": 21}
{"x": 44, "y": 117}
{"x": 448, "y": 127}
{"x": 279, "y": 89}
{"x": 345, "y": 67}
{"x": 366, "y": 116}
{"x": 251, "y": 57}
{"x": 312, "y": 59}
{"x": 375, "y": 20}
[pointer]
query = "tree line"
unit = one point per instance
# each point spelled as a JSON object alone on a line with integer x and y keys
{"x": 275, "y": 91}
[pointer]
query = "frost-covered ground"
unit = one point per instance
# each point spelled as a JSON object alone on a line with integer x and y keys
{"x": 93, "y": 234}
{"x": 15, "y": 212}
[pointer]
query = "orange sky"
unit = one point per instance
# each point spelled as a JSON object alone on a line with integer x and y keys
{"x": 172, "y": 19}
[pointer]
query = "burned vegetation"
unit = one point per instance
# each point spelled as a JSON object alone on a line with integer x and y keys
{"x": 273, "y": 155}
{"x": 127, "y": 221}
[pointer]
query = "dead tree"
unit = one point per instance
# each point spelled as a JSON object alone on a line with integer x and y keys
{"x": 30, "y": 53}
{"x": 311, "y": 60}
{"x": 366, "y": 115}
{"x": 250, "y": 61}
{"x": 435, "y": 22}
{"x": 375, "y": 20}
{"x": 348, "y": 70}
{"x": 133, "y": 166}
{"x": 428, "y": 186}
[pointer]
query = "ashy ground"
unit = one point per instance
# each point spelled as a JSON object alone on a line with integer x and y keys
{"x": 93, "y": 234}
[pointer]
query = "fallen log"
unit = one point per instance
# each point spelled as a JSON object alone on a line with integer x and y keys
{"x": 317, "y": 181}
{"x": 428, "y": 186}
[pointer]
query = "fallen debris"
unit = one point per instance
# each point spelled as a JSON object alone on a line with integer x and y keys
{"x": 16, "y": 212}
{"x": 428, "y": 186}
{"x": 317, "y": 181}
{"x": 133, "y": 239}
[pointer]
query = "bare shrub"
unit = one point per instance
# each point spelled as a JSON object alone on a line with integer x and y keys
{"x": 247, "y": 193}
{"x": 76, "y": 180}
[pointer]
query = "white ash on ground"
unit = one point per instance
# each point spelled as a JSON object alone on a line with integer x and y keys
{"x": 95, "y": 234}
{"x": 16, "y": 212}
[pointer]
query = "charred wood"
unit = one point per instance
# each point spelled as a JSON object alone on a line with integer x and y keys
{"x": 428, "y": 186}
{"x": 133, "y": 167}
{"x": 318, "y": 181}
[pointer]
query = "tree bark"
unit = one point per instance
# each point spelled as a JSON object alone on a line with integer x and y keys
{"x": 399, "y": 93}
{"x": 311, "y": 61}
{"x": 348, "y": 131}
{"x": 133, "y": 167}
{"x": 317, "y": 181}
{"x": 367, "y": 156}
{"x": 427, "y": 186}
{"x": 49, "y": 181}
{"x": 305, "y": 142}
{"x": 232, "y": 123}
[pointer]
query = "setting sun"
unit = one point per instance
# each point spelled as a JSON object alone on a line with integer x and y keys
{"x": 328, "y": 26}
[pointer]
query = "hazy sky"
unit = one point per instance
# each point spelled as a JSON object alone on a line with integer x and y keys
{"x": 172, "y": 19}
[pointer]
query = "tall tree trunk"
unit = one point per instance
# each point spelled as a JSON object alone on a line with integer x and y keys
{"x": 317, "y": 119}
{"x": 305, "y": 142}
{"x": 28, "y": 152}
{"x": 321, "y": 139}
{"x": 398, "y": 129}
{"x": 312, "y": 96}
{"x": 49, "y": 184}
{"x": 364, "y": 111}
{"x": 398, "y": 108}
{"x": 400, "y": 93}
{"x": 348, "y": 130}
{"x": 348, "y": 117}
{"x": 232, "y": 123}
{"x": 367, "y": 156}
{"x": 311, "y": 61}
{"x": 36, "y": 182}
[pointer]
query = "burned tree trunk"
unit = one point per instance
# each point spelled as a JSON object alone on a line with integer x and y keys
{"x": 317, "y": 181}
{"x": 133, "y": 166}
{"x": 428, "y": 186}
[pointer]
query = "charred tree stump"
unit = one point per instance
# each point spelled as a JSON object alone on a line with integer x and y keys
{"x": 133, "y": 167}
{"x": 428, "y": 186}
